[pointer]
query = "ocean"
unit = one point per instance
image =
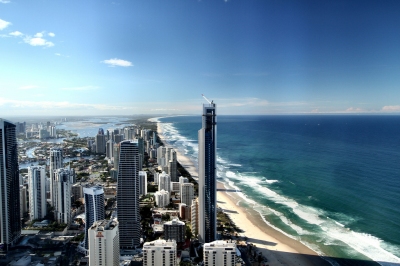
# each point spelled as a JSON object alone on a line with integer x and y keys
{"x": 331, "y": 182}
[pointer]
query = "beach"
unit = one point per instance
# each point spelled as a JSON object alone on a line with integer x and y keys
{"x": 278, "y": 248}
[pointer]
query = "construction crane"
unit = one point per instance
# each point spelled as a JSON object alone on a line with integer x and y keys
{"x": 207, "y": 99}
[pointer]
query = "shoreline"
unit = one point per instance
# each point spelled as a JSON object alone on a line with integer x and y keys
{"x": 278, "y": 248}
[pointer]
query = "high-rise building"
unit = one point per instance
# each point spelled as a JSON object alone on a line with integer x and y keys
{"x": 187, "y": 193}
{"x": 10, "y": 220}
{"x": 100, "y": 143}
{"x": 103, "y": 237}
{"x": 172, "y": 166}
{"x": 37, "y": 192}
{"x": 128, "y": 195}
{"x": 142, "y": 183}
{"x": 56, "y": 162}
{"x": 175, "y": 230}
{"x": 159, "y": 252}
{"x": 208, "y": 175}
{"x": 195, "y": 216}
{"x": 110, "y": 149}
{"x": 116, "y": 156}
{"x": 23, "y": 200}
{"x": 62, "y": 195}
{"x": 164, "y": 182}
{"x": 94, "y": 208}
{"x": 219, "y": 252}
{"x": 162, "y": 198}
{"x": 129, "y": 133}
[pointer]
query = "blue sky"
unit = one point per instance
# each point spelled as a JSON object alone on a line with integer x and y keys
{"x": 158, "y": 57}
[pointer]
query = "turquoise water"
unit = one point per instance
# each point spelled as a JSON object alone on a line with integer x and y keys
{"x": 332, "y": 182}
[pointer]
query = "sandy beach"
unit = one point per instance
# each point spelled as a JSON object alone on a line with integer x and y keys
{"x": 278, "y": 248}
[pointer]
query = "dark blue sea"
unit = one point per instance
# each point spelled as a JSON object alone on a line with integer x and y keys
{"x": 331, "y": 182}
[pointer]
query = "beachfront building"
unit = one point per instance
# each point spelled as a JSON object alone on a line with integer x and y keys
{"x": 56, "y": 162}
{"x": 187, "y": 193}
{"x": 103, "y": 238}
{"x": 172, "y": 166}
{"x": 159, "y": 252}
{"x": 195, "y": 216}
{"x": 37, "y": 192}
{"x": 208, "y": 175}
{"x": 219, "y": 253}
{"x": 162, "y": 198}
{"x": 94, "y": 208}
{"x": 164, "y": 182}
{"x": 62, "y": 195}
{"x": 128, "y": 195}
{"x": 142, "y": 183}
{"x": 10, "y": 226}
{"x": 175, "y": 230}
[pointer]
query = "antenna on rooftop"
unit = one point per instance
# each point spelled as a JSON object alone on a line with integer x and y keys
{"x": 207, "y": 99}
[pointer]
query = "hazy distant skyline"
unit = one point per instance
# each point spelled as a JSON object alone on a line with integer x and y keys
{"x": 158, "y": 57}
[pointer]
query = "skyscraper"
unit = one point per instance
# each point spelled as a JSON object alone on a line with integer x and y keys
{"x": 37, "y": 192}
{"x": 142, "y": 183}
{"x": 62, "y": 195}
{"x": 128, "y": 195}
{"x": 207, "y": 174}
{"x": 10, "y": 222}
{"x": 94, "y": 208}
{"x": 100, "y": 143}
{"x": 56, "y": 162}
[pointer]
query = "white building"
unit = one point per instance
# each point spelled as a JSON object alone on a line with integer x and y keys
{"x": 103, "y": 243}
{"x": 62, "y": 181}
{"x": 219, "y": 253}
{"x": 187, "y": 193}
{"x": 195, "y": 216}
{"x": 94, "y": 208}
{"x": 37, "y": 192}
{"x": 175, "y": 230}
{"x": 159, "y": 252}
{"x": 164, "y": 182}
{"x": 162, "y": 198}
{"x": 56, "y": 162}
{"x": 142, "y": 183}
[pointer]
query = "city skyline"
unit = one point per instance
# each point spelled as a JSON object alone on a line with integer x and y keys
{"x": 158, "y": 57}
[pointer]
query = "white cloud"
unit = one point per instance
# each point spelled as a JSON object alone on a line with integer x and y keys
{"x": 51, "y": 34}
{"x": 4, "y": 24}
{"x": 5, "y": 1}
{"x": 83, "y": 88}
{"x": 355, "y": 109}
{"x": 29, "y": 87}
{"x": 16, "y": 33}
{"x": 117, "y": 62}
{"x": 38, "y": 41}
{"x": 391, "y": 108}
{"x": 39, "y": 35}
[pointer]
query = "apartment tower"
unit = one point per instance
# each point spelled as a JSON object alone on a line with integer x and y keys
{"x": 208, "y": 175}
{"x": 56, "y": 162}
{"x": 94, "y": 208}
{"x": 37, "y": 192}
{"x": 128, "y": 195}
{"x": 10, "y": 222}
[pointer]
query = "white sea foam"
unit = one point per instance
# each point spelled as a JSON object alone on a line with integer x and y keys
{"x": 235, "y": 164}
{"x": 271, "y": 181}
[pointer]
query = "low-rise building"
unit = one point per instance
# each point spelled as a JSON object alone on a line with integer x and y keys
{"x": 159, "y": 252}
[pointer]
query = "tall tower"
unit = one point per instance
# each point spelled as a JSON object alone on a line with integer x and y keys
{"x": 128, "y": 195}
{"x": 207, "y": 174}
{"x": 10, "y": 222}
{"x": 94, "y": 208}
{"x": 37, "y": 192}
{"x": 56, "y": 162}
{"x": 62, "y": 195}
{"x": 104, "y": 243}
